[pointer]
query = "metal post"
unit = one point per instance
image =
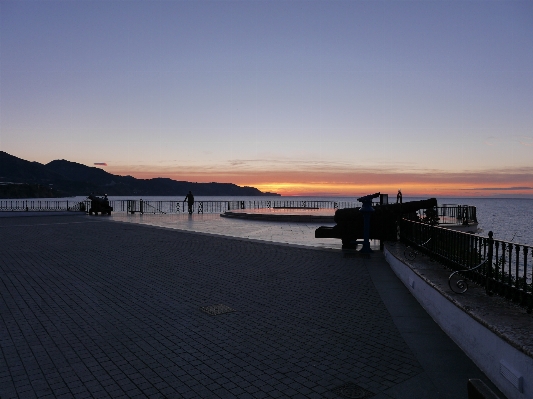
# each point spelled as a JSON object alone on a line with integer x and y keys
{"x": 366, "y": 210}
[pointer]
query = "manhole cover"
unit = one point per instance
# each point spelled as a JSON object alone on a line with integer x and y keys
{"x": 350, "y": 390}
{"x": 214, "y": 310}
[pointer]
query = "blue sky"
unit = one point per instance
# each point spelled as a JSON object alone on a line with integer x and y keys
{"x": 322, "y": 97}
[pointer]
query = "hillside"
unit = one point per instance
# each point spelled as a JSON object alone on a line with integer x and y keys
{"x": 65, "y": 178}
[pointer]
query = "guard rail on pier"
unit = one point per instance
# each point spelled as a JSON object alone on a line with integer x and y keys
{"x": 503, "y": 268}
{"x": 170, "y": 207}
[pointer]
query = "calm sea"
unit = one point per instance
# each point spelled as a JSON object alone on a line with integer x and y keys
{"x": 509, "y": 219}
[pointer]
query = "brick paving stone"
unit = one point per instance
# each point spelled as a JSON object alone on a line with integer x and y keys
{"x": 222, "y": 393}
{"x": 26, "y": 391}
{"x": 236, "y": 391}
{"x": 9, "y": 392}
{"x": 152, "y": 390}
{"x": 276, "y": 394}
{"x": 91, "y": 306}
{"x": 260, "y": 395}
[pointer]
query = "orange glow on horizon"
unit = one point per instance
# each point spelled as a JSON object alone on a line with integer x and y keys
{"x": 358, "y": 182}
{"x": 409, "y": 189}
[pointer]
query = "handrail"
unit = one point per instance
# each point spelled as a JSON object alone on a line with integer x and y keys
{"x": 502, "y": 268}
{"x": 449, "y": 214}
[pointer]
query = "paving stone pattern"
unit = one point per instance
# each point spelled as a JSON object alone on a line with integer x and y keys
{"x": 92, "y": 308}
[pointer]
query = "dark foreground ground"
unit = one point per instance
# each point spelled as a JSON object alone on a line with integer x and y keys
{"x": 95, "y": 308}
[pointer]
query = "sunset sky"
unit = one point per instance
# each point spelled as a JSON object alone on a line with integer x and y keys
{"x": 295, "y": 97}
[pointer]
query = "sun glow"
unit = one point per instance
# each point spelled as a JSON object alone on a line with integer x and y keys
{"x": 354, "y": 182}
{"x": 408, "y": 188}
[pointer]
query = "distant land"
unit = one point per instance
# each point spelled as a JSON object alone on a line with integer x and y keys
{"x": 24, "y": 179}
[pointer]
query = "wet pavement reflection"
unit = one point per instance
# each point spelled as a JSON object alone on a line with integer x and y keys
{"x": 294, "y": 233}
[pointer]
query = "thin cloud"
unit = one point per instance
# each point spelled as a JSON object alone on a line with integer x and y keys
{"x": 497, "y": 188}
{"x": 100, "y": 163}
{"x": 334, "y": 171}
{"x": 272, "y": 164}
{"x": 525, "y": 141}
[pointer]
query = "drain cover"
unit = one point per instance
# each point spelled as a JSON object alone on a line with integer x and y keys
{"x": 350, "y": 390}
{"x": 214, "y": 310}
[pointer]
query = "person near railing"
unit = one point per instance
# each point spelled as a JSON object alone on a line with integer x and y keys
{"x": 190, "y": 201}
{"x": 399, "y": 197}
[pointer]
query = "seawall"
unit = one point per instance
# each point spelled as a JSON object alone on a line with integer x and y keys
{"x": 496, "y": 334}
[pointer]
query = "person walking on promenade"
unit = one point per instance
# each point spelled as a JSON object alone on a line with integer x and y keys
{"x": 190, "y": 200}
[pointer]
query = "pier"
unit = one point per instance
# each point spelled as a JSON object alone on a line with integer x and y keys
{"x": 124, "y": 306}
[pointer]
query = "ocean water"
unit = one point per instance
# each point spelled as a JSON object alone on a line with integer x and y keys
{"x": 509, "y": 219}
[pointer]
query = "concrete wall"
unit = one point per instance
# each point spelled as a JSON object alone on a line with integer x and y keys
{"x": 507, "y": 367}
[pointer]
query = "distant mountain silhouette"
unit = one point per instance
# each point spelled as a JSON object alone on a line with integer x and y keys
{"x": 65, "y": 178}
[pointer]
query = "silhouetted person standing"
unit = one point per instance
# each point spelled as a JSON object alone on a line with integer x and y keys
{"x": 399, "y": 197}
{"x": 190, "y": 200}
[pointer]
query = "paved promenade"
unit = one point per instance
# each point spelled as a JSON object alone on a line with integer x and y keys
{"x": 93, "y": 307}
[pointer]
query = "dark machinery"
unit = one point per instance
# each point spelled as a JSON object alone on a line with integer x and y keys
{"x": 99, "y": 204}
{"x": 383, "y": 222}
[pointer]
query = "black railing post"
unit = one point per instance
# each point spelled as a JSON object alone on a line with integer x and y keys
{"x": 488, "y": 283}
{"x": 523, "y": 283}
{"x": 509, "y": 290}
{"x": 527, "y": 290}
{"x": 516, "y": 290}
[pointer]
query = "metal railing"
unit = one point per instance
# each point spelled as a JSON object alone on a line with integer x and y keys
{"x": 41, "y": 205}
{"x": 448, "y": 214}
{"x": 171, "y": 207}
{"x": 456, "y": 213}
{"x": 502, "y": 267}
